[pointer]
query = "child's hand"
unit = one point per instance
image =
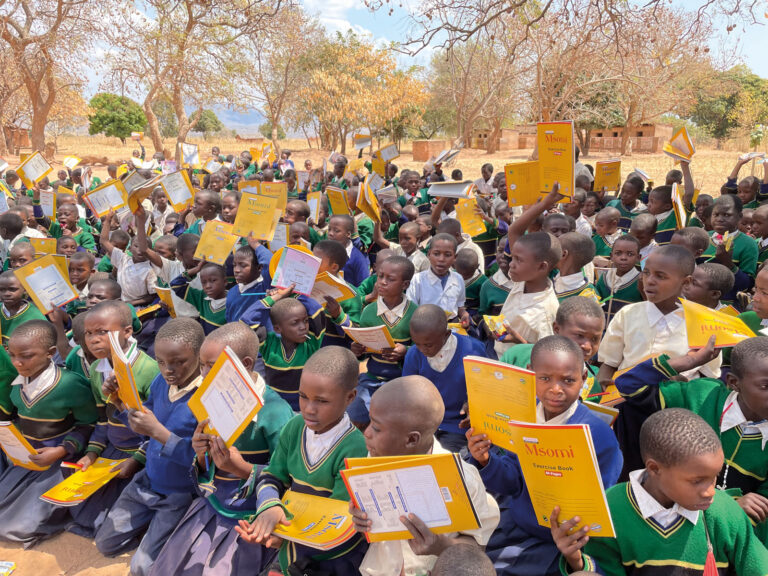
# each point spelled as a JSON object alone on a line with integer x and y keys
{"x": 228, "y": 459}
{"x": 723, "y": 256}
{"x": 195, "y": 270}
{"x": 570, "y": 545}
{"x": 755, "y": 505}
{"x": 252, "y": 242}
{"x": 464, "y": 423}
{"x": 66, "y": 232}
{"x": 695, "y": 358}
{"x": 128, "y": 468}
{"x": 141, "y": 217}
{"x": 553, "y": 197}
{"x": 465, "y": 319}
{"x": 357, "y": 349}
{"x": 58, "y": 317}
{"x": 109, "y": 389}
{"x": 201, "y": 442}
{"x": 394, "y": 354}
{"x": 48, "y": 455}
{"x": 332, "y": 308}
{"x": 280, "y": 293}
{"x": 513, "y": 336}
{"x": 424, "y": 542}
{"x": 260, "y": 531}
{"x": 478, "y": 445}
{"x": 144, "y": 422}
{"x": 87, "y": 460}
{"x": 359, "y": 519}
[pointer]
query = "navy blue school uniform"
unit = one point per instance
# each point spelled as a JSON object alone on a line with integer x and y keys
{"x": 451, "y": 385}
{"x": 357, "y": 268}
{"x": 158, "y": 496}
{"x": 520, "y": 546}
{"x": 238, "y": 304}
{"x": 256, "y": 315}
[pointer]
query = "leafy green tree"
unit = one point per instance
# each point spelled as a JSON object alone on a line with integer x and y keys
{"x": 115, "y": 115}
{"x": 266, "y": 131}
{"x": 166, "y": 117}
{"x": 208, "y": 123}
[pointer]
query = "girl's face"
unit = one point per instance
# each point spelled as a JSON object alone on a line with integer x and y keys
{"x": 244, "y": 269}
{"x": 590, "y": 206}
{"x": 67, "y": 247}
{"x": 229, "y": 209}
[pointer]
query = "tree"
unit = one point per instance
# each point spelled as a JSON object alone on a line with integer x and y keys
{"x": 69, "y": 112}
{"x": 42, "y": 37}
{"x": 165, "y": 117}
{"x": 208, "y": 123}
{"x": 115, "y": 115}
{"x": 269, "y": 131}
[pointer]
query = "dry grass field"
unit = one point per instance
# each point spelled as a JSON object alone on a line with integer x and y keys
{"x": 710, "y": 167}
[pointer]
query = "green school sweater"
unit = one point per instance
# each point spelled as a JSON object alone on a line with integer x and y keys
{"x": 628, "y": 294}
{"x": 282, "y": 371}
{"x": 694, "y": 222}
{"x": 209, "y": 318}
{"x": 587, "y": 290}
{"x": 83, "y": 235}
{"x": 665, "y": 229}
{"x": 400, "y": 331}
{"x": 472, "y": 292}
{"x": 762, "y": 252}
{"x": 77, "y": 364}
{"x": 7, "y": 375}
{"x": 492, "y": 297}
{"x": 350, "y": 310}
{"x": 366, "y": 287}
{"x": 602, "y": 248}
{"x": 364, "y": 231}
{"x": 8, "y": 323}
{"x": 645, "y": 548}
{"x": 625, "y": 216}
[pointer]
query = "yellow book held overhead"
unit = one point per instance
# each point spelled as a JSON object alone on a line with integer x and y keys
{"x": 256, "y": 214}
{"x": 701, "y": 323}
{"x": 337, "y": 198}
{"x": 559, "y": 462}
{"x": 228, "y": 398}
{"x": 126, "y": 383}
{"x": 216, "y": 242}
{"x": 556, "y": 156}
{"x": 607, "y": 174}
{"x": 431, "y": 487}
{"x": 83, "y": 484}
{"x": 387, "y": 153}
{"x": 523, "y": 183}
{"x": 466, "y": 213}
{"x": 71, "y": 161}
{"x": 278, "y": 190}
{"x": 178, "y": 189}
{"x": 497, "y": 393}
{"x": 188, "y": 154}
{"x": 16, "y": 447}
{"x": 329, "y": 285}
{"x": 46, "y": 283}
{"x": 680, "y": 147}
{"x": 43, "y": 245}
{"x": 109, "y": 196}
{"x": 252, "y": 186}
{"x": 378, "y": 166}
{"x": 317, "y": 522}
{"x": 32, "y": 169}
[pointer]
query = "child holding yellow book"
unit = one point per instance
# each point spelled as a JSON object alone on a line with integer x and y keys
{"x": 16, "y": 308}
{"x": 520, "y": 546}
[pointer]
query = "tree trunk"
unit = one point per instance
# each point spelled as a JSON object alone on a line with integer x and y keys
{"x": 152, "y": 123}
{"x": 494, "y": 137}
{"x": 37, "y": 131}
{"x": 3, "y": 142}
{"x": 274, "y": 138}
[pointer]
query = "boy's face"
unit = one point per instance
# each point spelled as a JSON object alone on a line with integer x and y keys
{"x": 408, "y": 241}
{"x": 179, "y": 363}
{"x": 557, "y": 226}
{"x": 656, "y": 205}
{"x": 170, "y": 224}
{"x": 216, "y": 183}
{"x": 697, "y": 290}
{"x": 524, "y": 265}
{"x": 98, "y": 293}
{"x": 337, "y": 231}
{"x": 429, "y": 343}
{"x": 165, "y": 250}
{"x": 690, "y": 484}
{"x": 325, "y": 263}
{"x": 29, "y": 356}
{"x": 322, "y": 401}
{"x": 745, "y": 224}
{"x": 559, "y": 377}
{"x": 503, "y": 261}
{"x": 214, "y": 283}
{"x": 586, "y": 331}
{"x": 201, "y": 207}
{"x": 412, "y": 184}
{"x": 338, "y": 169}
{"x": 606, "y": 226}
{"x": 572, "y": 209}
{"x": 294, "y": 326}
{"x": 161, "y": 202}
{"x": 760, "y": 299}
{"x": 295, "y": 235}
{"x": 210, "y": 352}
{"x": 759, "y": 224}
{"x": 244, "y": 270}
{"x": 662, "y": 279}
{"x": 66, "y": 246}
{"x": 590, "y": 206}
{"x": 293, "y": 213}
{"x": 96, "y": 333}
{"x": 442, "y": 255}
{"x": 228, "y": 209}
{"x": 389, "y": 281}
{"x": 20, "y": 257}
{"x": 383, "y": 436}
{"x": 61, "y": 174}
{"x": 643, "y": 235}
{"x": 746, "y": 192}
{"x": 629, "y": 194}
{"x": 701, "y": 204}
{"x": 187, "y": 256}
{"x": 79, "y": 272}
{"x": 725, "y": 218}
{"x": 624, "y": 256}
{"x": 753, "y": 389}
{"x": 11, "y": 291}
{"x": 67, "y": 216}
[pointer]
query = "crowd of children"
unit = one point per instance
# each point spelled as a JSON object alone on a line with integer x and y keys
{"x": 585, "y": 293}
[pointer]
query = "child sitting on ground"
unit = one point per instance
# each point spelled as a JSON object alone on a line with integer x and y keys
{"x": 211, "y": 301}
{"x": 467, "y": 266}
{"x": 709, "y": 282}
{"x": 644, "y": 229}
{"x": 578, "y": 252}
{"x": 341, "y": 227}
{"x": 519, "y": 546}
{"x": 408, "y": 246}
{"x": 16, "y": 308}
{"x": 405, "y": 415}
{"x": 620, "y": 284}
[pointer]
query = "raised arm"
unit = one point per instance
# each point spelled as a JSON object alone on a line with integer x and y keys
{"x": 520, "y": 226}
{"x": 688, "y": 186}
{"x": 141, "y": 241}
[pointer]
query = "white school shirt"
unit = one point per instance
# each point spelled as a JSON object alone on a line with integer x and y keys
{"x": 639, "y": 331}
{"x": 35, "y": 388}
{"x": 530, "y": 314}
{"x": 439, "y": 362}
{"x": 426, "y": 288}
{"x": 137, "y": 279}
{"x": 167, "y": 272}
{"x": 645, "y": 251}
{"x": 468, "y": 244}
{"x": 317, "y": 445}
{"x": 395, "y": 557}
{"x": 651, "y": 508}
{"x": 583, "y": 226}
{"x": 733, "y": 417}
{"x": 391, "y": 314}
{"x": 417, "y": 257}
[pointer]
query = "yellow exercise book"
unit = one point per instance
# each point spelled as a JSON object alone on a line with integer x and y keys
{"x": 109, "y": 196}
{"x": 166, "y": 297}
{"x": 329, "y": 285}
{"x": 83, "y": 484}
{"x": 256, "y": 214}
{"x": 268, "y": 152}
{"x": 607, "y": 174}
{"x": 43, "y": 245}
{"x": 216, "y": 242}
{"x": 560, "y": 468}
{"x": 680, "y": 146}
{"x": 16, "y": 447}
{"x": 278, "y": 190}
{"x": 126, "y": 383}
{"x": 337, "y": 198}
{"x": 498, "y": 393}
{"x": 188, "y": 154}
{"x": 556, "y": 156}
{"x": 387, "y": 153}
{"x": 178, "y": 189}
{"x": 366, "y": 197}
{"x": 46, "y": 283}
{"x": 362, "y": 141}
{"x": 466, "y": 214}
{"x": 317, "y": 522}
{"x": 375, "y": 339}
{"x": 252, "y": 186}
{"x": 431, "y": 486}
{"x": 523, "y": 183}
{"x": 681, "y": 214}
{"x": 314, "y": 201}
{"x": 71, "y": 161}
{"x": 701, "y": 323}
{"x": 495, "y": 324}
{"x": 228, "y": 398}
{"x": 32, "y": 169}
{"x": 378, "y": 166}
